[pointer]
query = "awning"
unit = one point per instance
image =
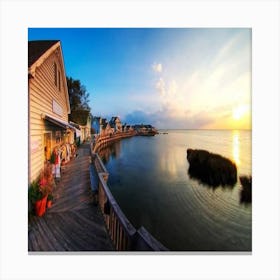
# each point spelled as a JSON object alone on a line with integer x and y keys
{"x": 61, "y": 123}
{"x": 78, "y": 132}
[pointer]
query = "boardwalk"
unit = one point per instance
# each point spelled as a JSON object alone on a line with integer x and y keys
{"x": 73, "y": 223}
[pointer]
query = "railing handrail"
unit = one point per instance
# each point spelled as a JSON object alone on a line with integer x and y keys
{"x": 129, "y": 228}
{"x": 104, "y": 170}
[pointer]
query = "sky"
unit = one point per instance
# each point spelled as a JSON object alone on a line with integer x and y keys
{"x": 171, "y": 78}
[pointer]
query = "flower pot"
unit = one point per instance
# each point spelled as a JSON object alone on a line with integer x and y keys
{"x": 40, "y": 206}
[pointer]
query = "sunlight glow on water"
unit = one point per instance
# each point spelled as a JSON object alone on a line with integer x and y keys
{"x": 235, "y": 147}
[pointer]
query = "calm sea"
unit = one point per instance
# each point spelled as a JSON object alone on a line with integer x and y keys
{"x": 149, "y": 179}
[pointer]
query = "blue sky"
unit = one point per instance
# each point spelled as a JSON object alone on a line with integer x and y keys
{"x": 170, "y": 78}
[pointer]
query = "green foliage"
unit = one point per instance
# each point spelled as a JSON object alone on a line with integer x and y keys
{"x": 34, "y": 193}
{"x": 78, "y": 95}
{"x": 80, "y": 116}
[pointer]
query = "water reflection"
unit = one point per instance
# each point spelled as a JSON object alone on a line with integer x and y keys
{"x": 169, "y": 163}
{"x": 235, "y": 147}
{"x": 148, "y": 178}
{"x": 112, "y": 151}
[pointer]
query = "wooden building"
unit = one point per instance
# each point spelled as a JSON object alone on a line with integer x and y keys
{"x": 106, "y": 129}
{"x": 82, "y": 117}
{"x": 48, "y": 103}
{"x": 115, "y": 123}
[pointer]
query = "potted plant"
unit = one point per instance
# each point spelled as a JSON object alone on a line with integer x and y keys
{"x": 40, "y": 189}
{"x": 46, "y": 183}
{"x": 37, "y": 198}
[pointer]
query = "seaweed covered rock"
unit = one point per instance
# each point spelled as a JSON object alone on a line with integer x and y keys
{"x": 211, "y": 169}
{"x": 246, "y": 192}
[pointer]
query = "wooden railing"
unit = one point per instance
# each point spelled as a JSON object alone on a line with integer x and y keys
{"x": 119, "y": 227}
{"x": 103, "y": 141}
{"x": 123, "y": 234}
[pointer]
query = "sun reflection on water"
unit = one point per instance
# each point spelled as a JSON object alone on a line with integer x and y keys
{"x": 235, "y": 147}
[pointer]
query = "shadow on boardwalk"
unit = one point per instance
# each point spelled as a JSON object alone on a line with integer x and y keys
{"x": 73, "y": 223}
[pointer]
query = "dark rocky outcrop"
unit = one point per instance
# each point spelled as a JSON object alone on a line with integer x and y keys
{"x": 246, "y": 192}
{"x": 211, "y": 169}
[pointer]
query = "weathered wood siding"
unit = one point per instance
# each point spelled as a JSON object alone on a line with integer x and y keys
{"x": 42, "y": 92}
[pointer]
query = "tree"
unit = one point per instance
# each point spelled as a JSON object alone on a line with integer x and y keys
{"x": 78, "y": 95}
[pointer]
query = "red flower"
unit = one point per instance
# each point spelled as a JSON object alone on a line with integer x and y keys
{"x": 43, "y": 182}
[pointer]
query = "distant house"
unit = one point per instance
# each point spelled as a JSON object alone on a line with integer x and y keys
{"x": 116, "y": 124}
{"x": 83, "y": 119}
{"x": 127, "y": 128}
{"x": 48, "y": 103}
{"x": 106, "y": 128}
{"x": 145, "y": 129}
{"x": 96, "y": 124}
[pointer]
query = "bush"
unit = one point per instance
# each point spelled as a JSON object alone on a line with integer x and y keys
{"x": 211, "y": 169}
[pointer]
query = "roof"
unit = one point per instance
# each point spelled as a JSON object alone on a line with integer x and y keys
{"x": 37, "y": 48}
{"x": 103, "y": 121}
{"x": 96, "y": 118}
{"x": 114, "y": 119}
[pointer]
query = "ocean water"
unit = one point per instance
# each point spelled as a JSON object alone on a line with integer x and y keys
{"x": 149, "y": 179}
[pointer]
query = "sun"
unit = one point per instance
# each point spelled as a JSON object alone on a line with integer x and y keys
{"x": 239, "y": 112}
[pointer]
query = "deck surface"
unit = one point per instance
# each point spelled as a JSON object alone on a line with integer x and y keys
{"x": 73, "y": 223}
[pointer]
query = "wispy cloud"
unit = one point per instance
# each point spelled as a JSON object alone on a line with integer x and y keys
{"x": 157, "y": 67}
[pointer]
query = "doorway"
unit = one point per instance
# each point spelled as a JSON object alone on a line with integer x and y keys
{"x": 47, "y": 145}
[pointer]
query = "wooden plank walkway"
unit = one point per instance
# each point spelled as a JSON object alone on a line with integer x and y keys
{"x": 73, "y": 223}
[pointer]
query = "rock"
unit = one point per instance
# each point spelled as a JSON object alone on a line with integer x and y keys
{"x": 211, "y": 169}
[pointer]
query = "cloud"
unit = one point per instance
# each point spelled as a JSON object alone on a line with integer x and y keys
{"x": 200, "y": 92}
{"x": 138, "y": 117}
{"x": 157, "y": 67}
{"x": 162, "y": 119}
{"x": 160, "y": 86}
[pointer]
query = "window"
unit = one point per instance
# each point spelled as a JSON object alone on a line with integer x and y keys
{"x": 55, "y": 73}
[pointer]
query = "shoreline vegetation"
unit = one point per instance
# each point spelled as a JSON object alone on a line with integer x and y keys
{"x": 215, "y": 170}
{"x": 246, "y": 192}
{"x": 211, "y": 169}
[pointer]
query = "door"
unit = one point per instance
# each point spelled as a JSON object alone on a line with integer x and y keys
{"x": 47, "y": 145}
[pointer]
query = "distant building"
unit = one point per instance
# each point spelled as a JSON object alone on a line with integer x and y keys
{"x": 116, "y": 124}
{"x": 96, "y": 124}
{"x": 145, "y": 129}
{"x": 106, "y": 129}
{"x": 83, "y": 119}
{"x": 48, "y": 103}
{"x": 127, "y": 128}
